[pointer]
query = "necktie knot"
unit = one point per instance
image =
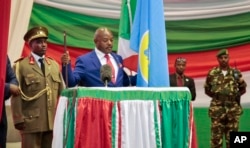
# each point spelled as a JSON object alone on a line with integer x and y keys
{"x": 41, "y": 60}
{"x": 107, "y": 57}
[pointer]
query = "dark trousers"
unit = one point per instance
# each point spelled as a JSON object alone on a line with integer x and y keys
{"x": 37, "y": 140}
{"x": 3, "y": 129}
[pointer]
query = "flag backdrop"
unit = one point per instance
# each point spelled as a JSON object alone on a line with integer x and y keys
{"x": 194, "y": 37}
{"x": 148, "y": 39}
{"x": 194, "y": 30}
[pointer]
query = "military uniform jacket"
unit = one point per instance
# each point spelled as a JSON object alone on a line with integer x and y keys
{"x": 218, "y": 84}
{"x": 36, "y": 106}
{"x": 224, "y": 91}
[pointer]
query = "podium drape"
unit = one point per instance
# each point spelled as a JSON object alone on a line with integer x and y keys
{"x": 123, "y": 117}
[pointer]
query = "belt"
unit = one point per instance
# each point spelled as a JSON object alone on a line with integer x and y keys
{"x": 225, "y": 97}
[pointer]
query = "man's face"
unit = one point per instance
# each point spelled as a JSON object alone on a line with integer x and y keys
{"x": 180, "y": 67}
{"x": 39, "y": 46}
{"x": 223, "y": 61}
{"x": 104, "y": 41}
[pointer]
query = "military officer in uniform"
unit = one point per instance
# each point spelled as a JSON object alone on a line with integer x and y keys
{"x": 40, "y": 83}
{"x": 224, "y": 85}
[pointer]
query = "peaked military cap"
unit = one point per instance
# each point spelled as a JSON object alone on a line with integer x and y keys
{"x": 36, "y": 32}
{"x": 222, "y": 52}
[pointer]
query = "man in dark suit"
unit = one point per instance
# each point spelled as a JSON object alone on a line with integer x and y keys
{"x": 87, "y": 67}
{"x": 10, "y": 88}
{"x": 180, "y": 79}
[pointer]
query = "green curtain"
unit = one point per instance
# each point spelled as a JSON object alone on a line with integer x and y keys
{"x": 182, "y": 36}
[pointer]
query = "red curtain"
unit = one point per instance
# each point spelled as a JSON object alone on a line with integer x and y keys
{"x": 4, "y": 32}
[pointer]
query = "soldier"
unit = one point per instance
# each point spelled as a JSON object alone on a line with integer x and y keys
{"x": 224, "y": 85}
{"x": 40, "y": 83}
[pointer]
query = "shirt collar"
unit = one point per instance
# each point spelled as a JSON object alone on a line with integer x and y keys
{"x": 36, "y": 57}
{"x": 181, "y": 76}
{"x": 100, "y": 54}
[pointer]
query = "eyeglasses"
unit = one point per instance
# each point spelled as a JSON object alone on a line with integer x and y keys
{"x": 180, "y": 59}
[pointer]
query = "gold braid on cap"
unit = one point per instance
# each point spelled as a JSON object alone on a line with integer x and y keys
{"x": 38, "y": 34}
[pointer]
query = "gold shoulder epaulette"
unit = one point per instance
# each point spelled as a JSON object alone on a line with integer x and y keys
{"x": 21, "y": 58}
{"x": 50, "y": 58}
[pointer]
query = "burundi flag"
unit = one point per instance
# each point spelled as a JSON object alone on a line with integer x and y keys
{"x": 148, "y": 39}
{"x": 125, "y": 26}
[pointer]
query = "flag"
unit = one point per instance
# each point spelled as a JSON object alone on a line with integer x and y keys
{"x": 125, "y": 25}
{"x": 148, "y": 39}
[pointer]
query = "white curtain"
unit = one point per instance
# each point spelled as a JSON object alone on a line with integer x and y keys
{"x": 19, "y": 21}
{"x": 174, "y": 9}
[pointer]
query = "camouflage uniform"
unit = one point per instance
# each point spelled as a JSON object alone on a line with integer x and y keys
{"x": 224, "y": 109}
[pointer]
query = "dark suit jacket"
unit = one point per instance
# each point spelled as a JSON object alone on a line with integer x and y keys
{"x": 87, "y": 72}
{"x": 10, "y": 79}
{"x": 188, "y": 82}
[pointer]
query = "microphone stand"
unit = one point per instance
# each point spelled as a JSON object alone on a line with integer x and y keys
{"x": 106, "y": 83}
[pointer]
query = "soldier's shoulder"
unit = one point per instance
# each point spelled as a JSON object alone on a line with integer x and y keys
{"x": 214, "y": 70}
{"x": 19, "y": 59}
{"x": 188, "y": 77}
{"x": 235, "y": 69}
{"x": 50, "y": 58}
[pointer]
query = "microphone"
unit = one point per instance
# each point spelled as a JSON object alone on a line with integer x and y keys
{"x": 106, "y": 74}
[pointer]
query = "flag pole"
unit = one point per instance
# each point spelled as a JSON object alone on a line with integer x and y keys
{"x": 65, "y": 50}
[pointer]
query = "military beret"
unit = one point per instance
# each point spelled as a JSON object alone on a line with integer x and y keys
{"x": 222, "y": 52}
{"x": 36, "y": 32}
